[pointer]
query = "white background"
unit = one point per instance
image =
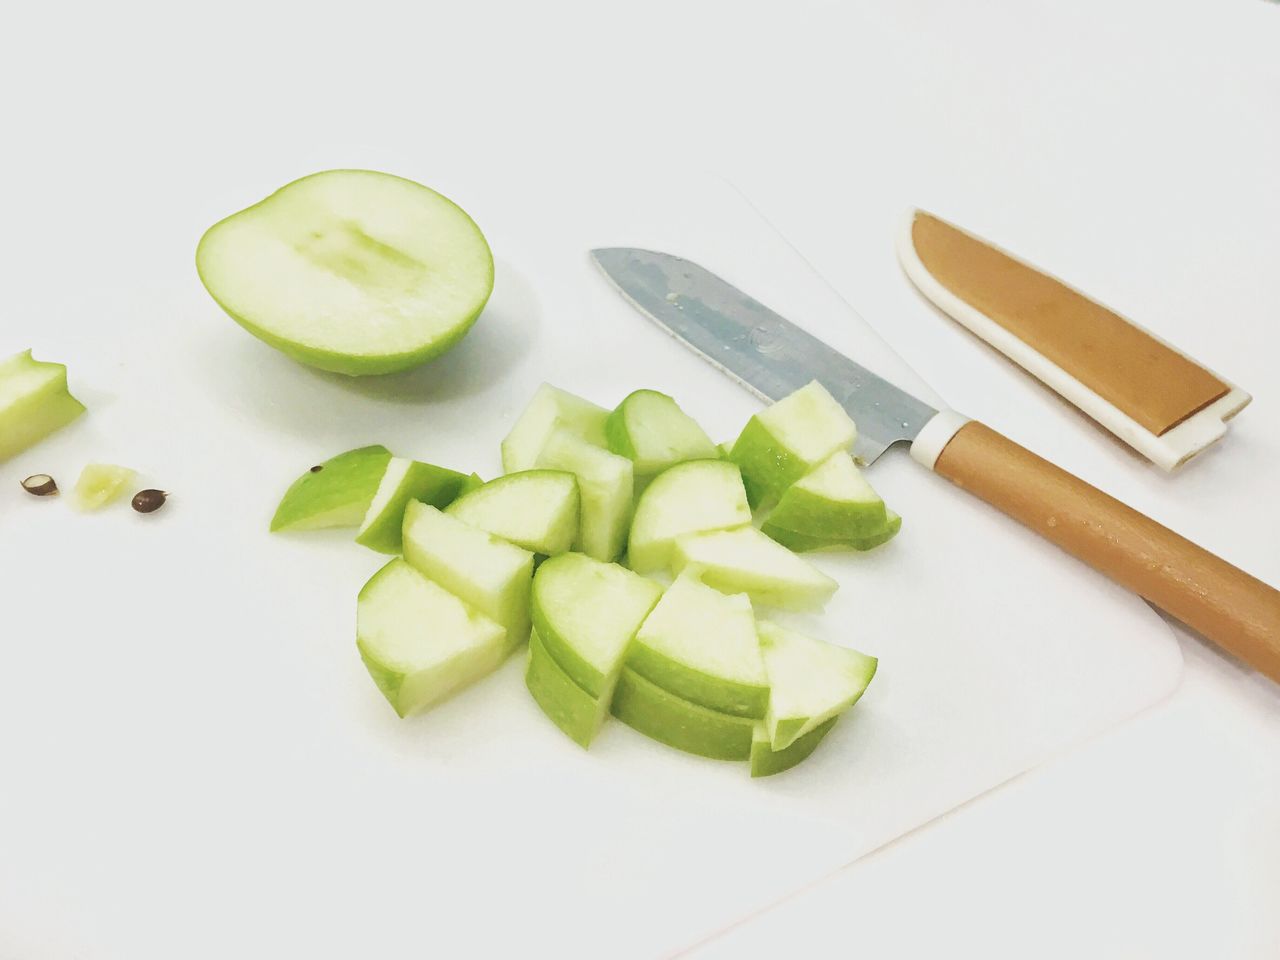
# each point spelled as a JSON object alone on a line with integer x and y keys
{"x": 1131, "y": 147}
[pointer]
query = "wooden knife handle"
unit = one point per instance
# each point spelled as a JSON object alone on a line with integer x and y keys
{"x": 1237, "y": 611}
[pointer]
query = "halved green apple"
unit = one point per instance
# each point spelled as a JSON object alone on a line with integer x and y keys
{"x": 34, "y": 402}
{"x": 785, "y": 441}
{"x": 352, "y": 271}
{"x": 650, "y": 430}
{"x": 746, "y": 561}
{"x": 336, "y": 493}
{"x": 419, "y": 642}
{"x": 403, "y": 482}
{"x": 551, "y": 409}
{"x": 587, "y": 613}
{"x": 492, "y": 575}
{"x": 765, "y": 761}
{"x": 810, "y": 681}
{"x": 605, "y": 483}
{"x": 657, "y": 713}
{"x": 690, "y": 497}
{"x": 701, "y": 645}
{"x": 534, "y": 509}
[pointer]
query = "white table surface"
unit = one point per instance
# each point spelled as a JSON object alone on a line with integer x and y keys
{"x": 1131, "y": 147}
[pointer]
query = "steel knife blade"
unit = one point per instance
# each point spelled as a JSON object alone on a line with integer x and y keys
{"x": 772, "y": 357}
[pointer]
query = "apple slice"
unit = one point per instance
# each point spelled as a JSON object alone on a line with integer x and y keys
{"x": 765, "y": 761}
{"x": 834, "y": 502}
{"x": 351, "y": 271}
{"x": 605, "y": 483}
{"x": 650, "y": 430}
{"x": 34, "y": 402}
{"x": 746, "y": 561}
{"x": 810, "y": 681}
{"x": 550, "y": 409}
{"x": 785, "y": 441}
{"x": 661, "y": 715}
{"x": 534, "y": 509}
{"x": 691, "y": 497}
{"x": 701, "y": 645}
{"x": 100, "y": 483}
{"x": 490, "y": 574}
{"x": 587, "y": 613}
{"x": 802, "y": 543}
{"x": 572, "y": 709}
{"x": 336, "y": 493}
{"x": 419, "y": 642}
{"x": 403, "y": 482}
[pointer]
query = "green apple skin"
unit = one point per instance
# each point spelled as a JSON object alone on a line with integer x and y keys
{"x": 766, "y": 762}
{"x": 650, "y": 429}
{"x": 100, "y": 483}
{"x": 767, "y": 468}
{"x": 834, "y": 501}
{"x": 420, "y": 643}
{"x": 803, "y": 543}
{"x": 578, "y": 714}
{"x": 587, "y": 614}
{"x": 34, "y": 402}
{"x": 336, "y": 495}
{"x": 422, "y": 482}
{"x": 664, "y": 717}
{"x": 357, "y": 258}
{"x": 701, "y": 645}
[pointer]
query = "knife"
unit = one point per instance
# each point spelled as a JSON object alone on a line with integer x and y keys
{"x": 772, "y": 357}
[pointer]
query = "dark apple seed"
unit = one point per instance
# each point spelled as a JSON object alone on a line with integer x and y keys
{"x": 149, "y": 501}
{"x": 40, "y": 485}
{"x": 317, "y": 468}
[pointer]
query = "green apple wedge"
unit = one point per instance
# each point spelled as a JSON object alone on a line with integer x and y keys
{"x": 810, "y": 681}
{"x": 746, "y": 561}
{"x": 605, "y": 484}
{"x": 650, "y": 430}
{"x": 336, "y": 493}
{"x": 587, "y": 614}
{"x": 701, "y": 645}
{"x": 403, "y": 482}
{"x": 577, "y": 713}
{"x": 662, "y": 716}
{"x": 765, "y": 761}
{"x": 785, "y": 441}
{"x": 34, "y": 402}
{"x": 691, "y": 497}
{"x": 490, "y": 574}
{"x": 419, "y": 642}
{"x": 834, "y": 502}
{"x": 99, "y": 484}
{"x": 551, "y": 409}
{"x": 352, "y": 271}
{"x": 802, "y": 543}
{"x": 534, "y": 509}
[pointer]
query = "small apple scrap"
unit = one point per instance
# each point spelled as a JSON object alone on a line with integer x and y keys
{"x": 537, "y": 555}
{"x": 34, "y": 402}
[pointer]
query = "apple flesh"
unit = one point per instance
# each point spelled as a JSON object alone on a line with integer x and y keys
{"x": 486, "y": 572}
{"x": 34, "y": 402}
{"x": 650, "y": 430}
{"x": 691, "y": 497}
{"x": 701, "y": 645}
{"x": 833, "y": 502}
{"x": 605, "y": 485}
{"x": 534, "y": 509}
{"x": 661, "y": 715}
{"x": 746, "y": 561}
{"x": 551, "y": 409}
{"x": 352, "y": 271}
{"x": 785, "y": 441}
{"x": 100, "y": 483}
{"x": 403, "y": 482}
{"x": 419, "y": 642}
{"x": 337, "y": 494}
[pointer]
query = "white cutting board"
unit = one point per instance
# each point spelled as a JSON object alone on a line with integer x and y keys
{"x": 193, "y": 761}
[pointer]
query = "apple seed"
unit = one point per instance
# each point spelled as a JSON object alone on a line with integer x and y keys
{"x": 149, "y": 501}
{"x": 40, "y": 485}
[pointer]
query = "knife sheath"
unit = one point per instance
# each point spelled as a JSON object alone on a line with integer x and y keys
{"x": 1157, "y": 399}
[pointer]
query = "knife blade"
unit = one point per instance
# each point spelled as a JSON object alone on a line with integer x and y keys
{"x": 765, "y": 352}
{"x": 772, "y": 357}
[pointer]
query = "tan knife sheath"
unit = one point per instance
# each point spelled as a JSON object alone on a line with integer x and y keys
{"x": 1145, "y": 391}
